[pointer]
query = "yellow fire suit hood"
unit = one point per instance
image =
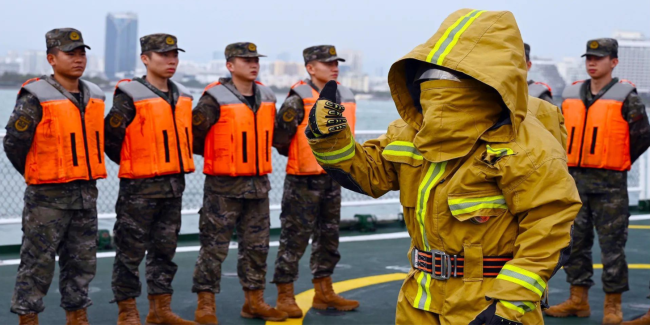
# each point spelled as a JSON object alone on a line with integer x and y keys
{"x": 484, "y": 45}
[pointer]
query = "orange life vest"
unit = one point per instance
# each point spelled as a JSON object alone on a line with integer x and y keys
{"x": 159, "y": 139}
{"x": 239, "y": 144}
{"x": 301, "y": 159}
{"x": 599, "y": 137}
{"x": 538, "y": 88}
{"x": 67, "y": 145}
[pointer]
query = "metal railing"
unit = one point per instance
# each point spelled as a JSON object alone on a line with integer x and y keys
{"x": 13, "y": 186}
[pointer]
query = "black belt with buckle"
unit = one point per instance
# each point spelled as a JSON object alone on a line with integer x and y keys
{"x": 442, "y": 266}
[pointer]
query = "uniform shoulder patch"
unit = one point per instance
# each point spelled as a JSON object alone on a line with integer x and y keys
{"x": 289, "y": 115}
{"x": 197, "y": 118}
{"x": 116, "y": 120}
{"x": 22, "y": 124}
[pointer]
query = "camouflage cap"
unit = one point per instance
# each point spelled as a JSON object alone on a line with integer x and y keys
{"x": 322, "y": 53}
{"x": 602, "y": 47}
{"x": 65, "y": 39}
{"x": 159, "y": 43}
{"x": 242, "y": 50}
{"x": 527, "y": 50}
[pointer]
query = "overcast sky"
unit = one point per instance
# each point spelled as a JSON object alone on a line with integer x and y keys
{"x": 384, "y": 30}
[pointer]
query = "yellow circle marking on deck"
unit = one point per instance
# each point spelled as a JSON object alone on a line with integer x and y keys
{"x": 304, "y": 299}
{"x": 629, "y": 266}
{"x": 638, "y": 227}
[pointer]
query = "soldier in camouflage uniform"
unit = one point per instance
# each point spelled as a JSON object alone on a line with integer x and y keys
{"x": 311, "y": 202}
{"x": 537, "y": 89}
{"x": 603, "y": 191}
{"x": 148, "y": 208}
{"x": 236, "y": 191}
{"x": 60, "y": 217}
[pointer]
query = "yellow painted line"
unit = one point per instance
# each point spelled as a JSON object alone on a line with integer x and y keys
{"x": 629, "y": 266}
{"x": 304, "y": 299}
{"x": 638, "y": 227}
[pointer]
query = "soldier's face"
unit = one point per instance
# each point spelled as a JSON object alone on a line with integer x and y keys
{"x": 598, "y": 67}
{"x": 323, "y": 71}
{"x": 161, "y": 64}
{"x": 244, "y": 68}
{"x": 70, "y": 64}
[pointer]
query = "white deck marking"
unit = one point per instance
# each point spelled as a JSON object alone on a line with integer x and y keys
{"x": 233, "y": 245}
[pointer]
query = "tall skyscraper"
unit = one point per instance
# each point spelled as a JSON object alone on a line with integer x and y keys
{"x": 121, "y": 45}
{"x": 634, "y": 59}
{"x": 546, "y": 70}
{"x": 572, "y": 69}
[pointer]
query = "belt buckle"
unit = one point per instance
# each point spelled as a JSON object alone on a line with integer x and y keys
{"x": 445, "y": 265}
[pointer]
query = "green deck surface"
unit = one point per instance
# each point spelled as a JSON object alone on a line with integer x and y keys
{"x": 359, "y": 259}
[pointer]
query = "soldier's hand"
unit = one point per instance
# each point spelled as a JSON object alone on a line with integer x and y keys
{"x": 326, "y": 117}
{"x": 489, "y": 317}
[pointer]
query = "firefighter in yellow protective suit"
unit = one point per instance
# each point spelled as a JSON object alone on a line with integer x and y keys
{"x": 487, "y": 196}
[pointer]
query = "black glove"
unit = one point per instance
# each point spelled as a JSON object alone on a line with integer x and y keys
{"x": 488, "y": 317}
{"x": 326, "y": 116}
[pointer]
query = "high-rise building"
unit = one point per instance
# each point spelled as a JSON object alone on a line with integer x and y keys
{"x": 35, "y": 62}
{"x": 545, "y": 70}
{"x": 121, "y": 45}
{"x": 634, "y": 59}
{"x": 353, "y": 61}
{"x": 572, "y": 69}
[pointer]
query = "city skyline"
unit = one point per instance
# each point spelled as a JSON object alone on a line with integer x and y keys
{"x": 384, "y": 32}
{"x": 282, "y": 68}
{"x": 121, "y": 44}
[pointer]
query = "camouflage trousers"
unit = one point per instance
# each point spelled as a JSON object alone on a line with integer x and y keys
{"x": 608, "y": 213}
{"x": 72, "y": 234}
{"x": 311, "y": 207}
{"x": 148, "y": 225}
{"x": 219, "y": 216}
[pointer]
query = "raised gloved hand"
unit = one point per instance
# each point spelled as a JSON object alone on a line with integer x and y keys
{"x": 326, "y": 117}
{"x": 489, "y": 317}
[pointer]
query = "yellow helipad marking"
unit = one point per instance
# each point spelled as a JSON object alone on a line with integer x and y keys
{"x": 638, "y": 227}
{"x": 305, "y": 299}
{"x": 629, "y": 266}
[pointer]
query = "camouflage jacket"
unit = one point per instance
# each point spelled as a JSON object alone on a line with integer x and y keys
{"x": 118, "y": 119}
{"x": 204, "y": 116}
{"x": 291, "y": 114}
{"x": 592, "y": 180}
{"x": 21, "y": 127}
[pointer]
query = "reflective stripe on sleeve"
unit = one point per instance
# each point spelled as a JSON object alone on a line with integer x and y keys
{"x": 521, "y": 306}
{"x": 336, "y": 156}
{"x": 526, "y": 279}
{"x": 402, "y": 149}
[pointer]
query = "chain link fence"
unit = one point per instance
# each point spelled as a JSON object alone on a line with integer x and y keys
{"x": 11, "y": 193}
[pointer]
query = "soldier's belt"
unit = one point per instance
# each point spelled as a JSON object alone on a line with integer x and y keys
{"x": 442, "y": 266}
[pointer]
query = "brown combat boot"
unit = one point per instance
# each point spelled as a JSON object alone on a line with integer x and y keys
{"x": 160, "y": 312}
{"x": 76, "y": 317}
{"x": 577, "y": 304}
{"x": 326, "y": 297}
{"x": 613, "y": 315}
{"x": 28, "y": 319}
{"x": 128, "y": 312}
{"x": 206, "y": 309}
{"x": 644, "y": 320}
{"x": 287, "y": 300}
{"x": 255, "y": 307}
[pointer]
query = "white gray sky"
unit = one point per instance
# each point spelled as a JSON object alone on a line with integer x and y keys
{"x": 383, "y": 30}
